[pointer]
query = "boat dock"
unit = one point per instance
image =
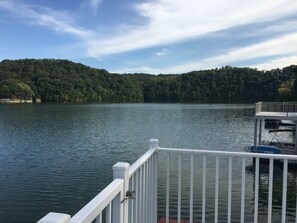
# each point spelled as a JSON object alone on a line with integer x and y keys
{"x": 276, "y": 110}
{"x": 277, "y": 113}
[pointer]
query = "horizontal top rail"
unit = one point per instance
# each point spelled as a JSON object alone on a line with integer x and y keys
{"x": 288, "y": 108}
{"x": 139, "y": 162}
{"x": 89, "y": 212}
{"x": 227, "y": 153}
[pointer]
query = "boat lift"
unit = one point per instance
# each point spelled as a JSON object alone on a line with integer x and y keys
{"x": 277, "y": 115}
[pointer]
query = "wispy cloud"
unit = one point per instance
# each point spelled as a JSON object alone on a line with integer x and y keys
{"x": 93, "y": 5}
{"x": 171, "y": 21}
{"x": 162, "y": 52}
{"x": 166, "y": 22}
{"x": 139, "y": 69}
{"x": 276, "y": 47}
{"x": 276, "y": 63}
{"x": 284, "y": 47}
{"x": 59, "y": 21}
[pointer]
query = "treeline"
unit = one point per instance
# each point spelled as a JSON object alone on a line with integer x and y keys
{"x": 65, "y": 81}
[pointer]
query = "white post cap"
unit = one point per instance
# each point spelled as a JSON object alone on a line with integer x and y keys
{"x": 53, "y": 217}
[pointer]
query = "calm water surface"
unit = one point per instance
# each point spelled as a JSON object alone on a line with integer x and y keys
{"x": 56, "y": 157}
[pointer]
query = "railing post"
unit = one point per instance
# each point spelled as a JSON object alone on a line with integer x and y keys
{"x": 258, "y": 107}
{"x": 153, "y": 144}
{"x": 120, "y": 206}
{"x": 53, "y": 217}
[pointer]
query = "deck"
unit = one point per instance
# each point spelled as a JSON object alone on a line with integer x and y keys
{"x": 112, "y": 205}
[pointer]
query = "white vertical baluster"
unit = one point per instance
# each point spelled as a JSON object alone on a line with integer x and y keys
{"x": 203, "y": 188}
{"x": 167, "y": 187}
{"x": 191, "y": 188}
{"x": 145, "y": 193}
{"x": 284, "y": 203}
{"x": 149, "y": 195}
{"x": 132, "y": 201}
{"x": 108, "y": 213}
{"x": 217, "y": 189}
{"x": 99, "y": 218}
{"x": 270, "y": 190}
{"x": 230, "y": 190}
{"x": 242, "y": 190}
{"x": 137, "y": 197}
{"x": 151, "y": 180}
{"x": 179, "y": 190}
{"x": 151, "y": 190}
{"x": 140, "y": 194}
{"x": 117, "y": 208}
{"x": 256, "y": 191}
{"x": 155, "y": 204}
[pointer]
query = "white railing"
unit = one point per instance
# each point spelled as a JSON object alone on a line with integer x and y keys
{"x": 131, "y": 197}
{"x": 143, "y": 179}
{"x": 93, "y": 210}
{"x": 283, "y": 107}
{"x": 211, "y": 165}
{"x": 196, "y": 185}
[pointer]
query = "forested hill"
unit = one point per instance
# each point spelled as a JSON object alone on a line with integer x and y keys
{"x": 65, "y": 81}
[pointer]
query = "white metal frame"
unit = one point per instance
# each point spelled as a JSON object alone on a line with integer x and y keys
{"x": 142, "y": 177}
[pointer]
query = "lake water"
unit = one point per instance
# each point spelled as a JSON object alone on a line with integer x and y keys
{"x": 57, "y": 157}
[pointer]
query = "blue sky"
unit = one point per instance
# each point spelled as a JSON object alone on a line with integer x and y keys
{"x": 152, "y": 36}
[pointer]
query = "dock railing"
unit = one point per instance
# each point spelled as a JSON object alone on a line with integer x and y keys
{"x": 196, "y": 185}
{"x": 217, "y": 165}
{"x": 130, "y": 197}
{"x": 289, "y": 108}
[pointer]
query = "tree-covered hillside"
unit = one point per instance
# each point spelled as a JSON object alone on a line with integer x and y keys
{"x": 65, "y": 81}
{"x": 62, "y": 80}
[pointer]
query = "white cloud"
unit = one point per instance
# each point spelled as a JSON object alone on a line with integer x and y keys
{"x": 162, "y": 52}
{"x": 93, "y": 5}
{"x": 285, "y": 26}
{"x": 171, "y": 21}
{"x": 277, "y": 63}
{"x": 140, "y": 69}
{"x": 281, "y": 47}
{"x": 57, "y": 20}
